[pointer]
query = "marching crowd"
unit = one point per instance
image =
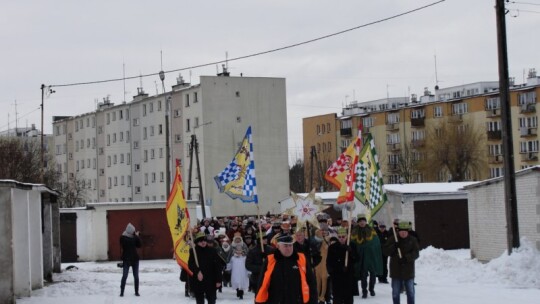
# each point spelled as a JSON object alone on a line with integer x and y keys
{"x": 281, "y": 264}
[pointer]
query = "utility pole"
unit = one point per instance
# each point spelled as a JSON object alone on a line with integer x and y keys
{"x": 42, "y": 152}
{"x": 194, "y": 147}
{"x": 508, "y": 147}
{"x": 167, "y": 149}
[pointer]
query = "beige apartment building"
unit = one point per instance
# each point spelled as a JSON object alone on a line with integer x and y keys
{"x": 402, "y": 123}
{"x": 119, "y": 152}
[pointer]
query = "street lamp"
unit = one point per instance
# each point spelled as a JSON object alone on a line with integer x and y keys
{"x": 42, "y": 159}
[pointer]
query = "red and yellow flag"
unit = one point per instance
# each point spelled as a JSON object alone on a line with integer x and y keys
{"x": 178, "y": 219}
{"x": 342, "y": 173}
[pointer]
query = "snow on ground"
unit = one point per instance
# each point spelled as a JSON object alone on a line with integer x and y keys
{"x": 443, "y": 277}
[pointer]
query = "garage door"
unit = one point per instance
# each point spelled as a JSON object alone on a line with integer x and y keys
{"x": 442, "y": 224}
{"x": 68, "y": 237}
{"x": 154, "y": 232}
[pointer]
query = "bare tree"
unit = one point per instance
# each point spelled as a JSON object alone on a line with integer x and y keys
{"x": 297, "y": 177}
{"x": 409, "y": 163}
{"x": 455, "y": 148}
{"x": 73, "y": 192}
{"x": 20, "y": 159}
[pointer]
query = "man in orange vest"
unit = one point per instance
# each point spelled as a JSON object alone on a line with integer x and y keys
{"x": 285, "y": 277}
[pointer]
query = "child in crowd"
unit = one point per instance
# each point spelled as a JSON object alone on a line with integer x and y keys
{"x": 239, "y": 273}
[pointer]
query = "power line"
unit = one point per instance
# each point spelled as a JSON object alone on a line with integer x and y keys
{"x": 254, "y": 54}
{"x": 526, "y": 3}
{"x": 2, "y": 127}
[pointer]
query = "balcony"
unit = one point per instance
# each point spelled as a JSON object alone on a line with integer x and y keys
{"x": 529, "y": 156}
{"x": 418, "y": 122}
{"x": 393, "y": 146}
{"x": 392, "y": 127}
{"x": 495, "y": 159}
{"x": 345, "y": 132}
{"x": 418, "y": 143}
{"x": 366, "y": 130}
{"x": 494, "y": 135}
{"x": 491, "y": 113}
{"x": 393, "y": 167}
{"x": 456, "y": 118}
{"x": 527, "y": 132}
{"x": 528, "y": 108}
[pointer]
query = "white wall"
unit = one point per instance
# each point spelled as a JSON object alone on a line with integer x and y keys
{"x": 487, "y": 215}
{"x": 35, "y": 239}
{"x": 27, "y": 242}
{"x": 21, "y": 257}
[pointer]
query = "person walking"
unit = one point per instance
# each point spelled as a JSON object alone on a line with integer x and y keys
{"x": 239, "y": 273}
{"x": 383, "y": 238}
{"x": 403, "y": 255}
{"x": 369, "y": 253}
{"x": 341, "y": 276}
{"x": 286, "y": 277}
{"x": 129, "y": 242}
{"x": 206, "y": 270}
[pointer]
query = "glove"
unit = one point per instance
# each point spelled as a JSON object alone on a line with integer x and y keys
{"x": 403, "y": 260}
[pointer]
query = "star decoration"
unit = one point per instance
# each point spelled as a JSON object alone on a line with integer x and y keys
{"x": 305, "y": 209}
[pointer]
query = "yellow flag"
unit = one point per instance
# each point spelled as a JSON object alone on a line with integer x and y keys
{"x": 178, "y": 219}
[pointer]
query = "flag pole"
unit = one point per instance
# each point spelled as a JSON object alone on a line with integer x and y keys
{"x": 389, "y": 211}
{"x": 348, "y": 235}
{"x": 194, "y": 251}
{"x": 260, "y": 230}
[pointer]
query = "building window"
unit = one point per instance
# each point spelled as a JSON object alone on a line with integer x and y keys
{"x": 160, "y": 129}
{"x": 187, "y": 100}
{"x": 460, "y": 108}
{"x": 135, "y": 122}
{"x": 159, "y": 105}
{"x": 144, "y": 110}
{"x": 195, "y": 97}
{"x": 437, "y": 111}
{"x": 188, "y": 125}
{"x": 328, "y": 128}
{"x": 178, "y": 138}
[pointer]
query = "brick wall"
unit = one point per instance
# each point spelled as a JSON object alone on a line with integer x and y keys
{"x": 487, "y": 217}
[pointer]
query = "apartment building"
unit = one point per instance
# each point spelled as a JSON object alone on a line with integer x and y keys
{"x": 400, "y": 126}
{"x": 320, "y": 134}
{"x": 120, "y": 151}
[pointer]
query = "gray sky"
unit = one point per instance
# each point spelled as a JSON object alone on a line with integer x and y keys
{"x": 60, "y": 42}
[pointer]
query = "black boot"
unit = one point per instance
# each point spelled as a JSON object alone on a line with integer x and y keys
{"x": 137, "y": 287}
{"x": 237, "y": 293}
{"x": 241, "y": 294}
{"x": 121, "y": 291}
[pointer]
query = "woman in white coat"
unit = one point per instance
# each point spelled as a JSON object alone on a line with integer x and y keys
{"x": 239, "y": 273}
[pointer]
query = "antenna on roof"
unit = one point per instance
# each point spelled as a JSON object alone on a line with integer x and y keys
{"x": 436, "y": 77}
{"x": 124, "y": 78}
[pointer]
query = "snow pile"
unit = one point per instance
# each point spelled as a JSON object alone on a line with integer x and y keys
{"x": 519, "y": 270}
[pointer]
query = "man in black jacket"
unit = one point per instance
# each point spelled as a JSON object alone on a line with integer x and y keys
{"x": 206, "y": 270}
{"x": 343, "y": 282}
{"x": 286, "y": 277}
{"x": 255, "y": 259}
{"x": 402, "y": 257}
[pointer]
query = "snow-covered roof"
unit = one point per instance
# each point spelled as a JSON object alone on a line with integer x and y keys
{"x": 421, "y": 188}
{"x": 29, "y": 186}
{"x": 501, "y": 179}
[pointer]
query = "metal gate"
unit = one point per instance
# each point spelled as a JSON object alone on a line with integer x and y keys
{"x": 68, "y": 237}
{"x": 154, "y": 232}
{"x": 442, "y": 223}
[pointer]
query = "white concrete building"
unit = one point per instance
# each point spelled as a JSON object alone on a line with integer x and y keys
{"x": 218, "y": 112}
{"x": 487, "y": 213}
{"x": 120, "y": 151}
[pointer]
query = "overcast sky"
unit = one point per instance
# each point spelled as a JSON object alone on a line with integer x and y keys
{"x": 61, "y": 42}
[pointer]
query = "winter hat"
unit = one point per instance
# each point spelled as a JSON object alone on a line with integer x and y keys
{"x": 404, "y": 225}
{"x": 200, "y": 236}
{"x": 361, "y": 217}
{"x": 342, "y": 231}
{"x": 130, "y": 230}
{"x": 285, "y": 239}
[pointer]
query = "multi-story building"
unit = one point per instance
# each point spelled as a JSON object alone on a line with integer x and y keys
{"x": 321, "y": 148}
{"x": 120, "y": 151}
{"x": 401, "y": 125}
